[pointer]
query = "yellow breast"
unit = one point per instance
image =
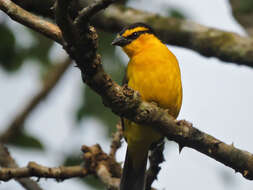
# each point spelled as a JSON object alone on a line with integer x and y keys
{"x": 155, "y": 74}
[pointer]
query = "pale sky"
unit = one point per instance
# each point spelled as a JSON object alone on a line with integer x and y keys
{"x": 217, "y": 100}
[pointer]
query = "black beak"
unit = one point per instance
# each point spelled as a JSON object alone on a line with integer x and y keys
{"x": 120, "y": 41}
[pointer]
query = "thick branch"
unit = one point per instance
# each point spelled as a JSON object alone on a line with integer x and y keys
{"x": 125, "y": 102}
{"x": 227, "y": 46}
{"x": 52, "y": 79}
{"x": 209, "y": 42}
{"x": 34, "y": 22}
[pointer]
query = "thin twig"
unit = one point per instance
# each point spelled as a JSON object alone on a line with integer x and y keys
{"x": 35, "y": 170}
{"x": 116, "y": 141}
{"x": 86, "y": 13}
{"x": 7, "y": 161}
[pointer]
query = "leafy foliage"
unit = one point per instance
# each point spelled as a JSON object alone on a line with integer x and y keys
{"x": 9, "y": 58}
{"x": 245, "y": 6}
{"x": 176, "y": 13}
{"x": 243, "y": 13}
{"x": 13, "y": 55}
{"x": 24, "y": 140}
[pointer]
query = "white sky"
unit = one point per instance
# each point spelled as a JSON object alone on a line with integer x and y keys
{"x": 217, "y": 100}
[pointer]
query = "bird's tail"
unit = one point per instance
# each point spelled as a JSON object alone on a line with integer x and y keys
{"x": 133, "y": 177}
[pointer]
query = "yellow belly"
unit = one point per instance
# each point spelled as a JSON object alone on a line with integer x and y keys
{"x": 157, "y": 80}
{"x": 139, "y": 138}
{"x": 139, "y": 135}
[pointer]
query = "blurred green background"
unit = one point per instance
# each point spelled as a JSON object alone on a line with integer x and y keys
{"x": 21, "y": 48}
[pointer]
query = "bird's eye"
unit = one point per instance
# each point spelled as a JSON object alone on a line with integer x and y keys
{"x": 135, "y": 34}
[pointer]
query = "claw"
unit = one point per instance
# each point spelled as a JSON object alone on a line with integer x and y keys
{"x": 180, "y": 146}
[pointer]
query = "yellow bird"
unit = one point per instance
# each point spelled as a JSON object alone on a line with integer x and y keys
{"x": 154, "y": 72}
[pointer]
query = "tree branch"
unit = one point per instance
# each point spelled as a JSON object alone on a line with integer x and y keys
{"x": 35, "y": 170}
{"x": 91, "y": 10}
{"x": 43, "y": 8}
{"x": 34, "y": 22}
{"x": 116, "y": 141}
{"x": 210, "y": 42}
{"x": 155, "y": 159}
{"x": 7, "y": 161}
{"x": 102, "y": 165}
{"x": 207, "y": 41}
{"x": 52, "y": 79}
{"x": 96, "y": 162}
{"x": 127, "y": 103}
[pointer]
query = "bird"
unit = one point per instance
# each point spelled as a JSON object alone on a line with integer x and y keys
{"x": 153, "y": 71}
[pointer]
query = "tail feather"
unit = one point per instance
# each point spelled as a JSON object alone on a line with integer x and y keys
{"x": 133, "y": 178}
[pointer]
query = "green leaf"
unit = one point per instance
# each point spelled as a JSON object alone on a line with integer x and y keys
{"x": 8, "y": 56}
{"x": 245, "y": 6}
{"x": 176, "y": 13}
{"x": 13, "y": 55}
{"x": 24, "y": 140}
{"x": 72, "y": 160}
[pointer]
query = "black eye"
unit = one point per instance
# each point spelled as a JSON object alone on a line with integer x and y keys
{"x": 135, "y": 34}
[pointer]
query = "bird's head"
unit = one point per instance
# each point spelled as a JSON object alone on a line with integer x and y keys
{"x": 134, "y": 38}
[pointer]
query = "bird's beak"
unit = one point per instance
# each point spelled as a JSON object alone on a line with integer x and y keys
{"x": 120, "y": 41}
